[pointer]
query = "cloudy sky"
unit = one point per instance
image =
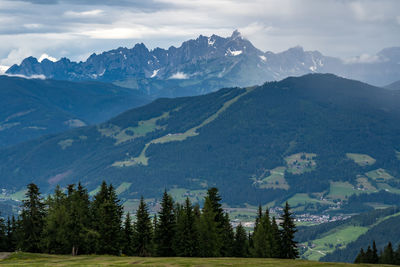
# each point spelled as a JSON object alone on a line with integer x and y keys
{"x": 77, "y": 28}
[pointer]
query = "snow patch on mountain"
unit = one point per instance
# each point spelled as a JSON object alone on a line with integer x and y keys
{"x": 210, "y": 41}
{"x": 154, "y": 73}
{"x": 233, "y": 52}
{"x": 263, "y": 58}
{"x": 179, "y": 76}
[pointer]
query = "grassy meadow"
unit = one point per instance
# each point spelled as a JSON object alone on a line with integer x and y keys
{"x": 29, "y": 259}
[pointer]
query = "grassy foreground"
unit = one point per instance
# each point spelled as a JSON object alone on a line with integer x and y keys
{"x": 29, "y": 259}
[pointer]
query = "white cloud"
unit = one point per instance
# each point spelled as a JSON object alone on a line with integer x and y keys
{"x": 364, "y": 58}
{"x": 43, "y": 56}
{"x": 90, "y": 13}
{"x": 3, "y": 69}
{"x": 179, "y": 76}
{"x": 46, "y": 56}
{"x": 41, "y": 76}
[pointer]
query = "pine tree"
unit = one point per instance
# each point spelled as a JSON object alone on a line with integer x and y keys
{"x": 209, "y": 236}
{"x": 109, "y": 224}
{"x": 186, "y": 237}
{"x": 388, "y": 255}
{"x": 143, "y": 231}
{"x": 222, "y": 220}
{"x": 79, "y": 222}
{"x": 375, "y": 258}
{"x": 276, "y": 240}
{"x": 3, "y": 236}
{"x": 360, "y": 257}
{"x": 32, "y": 220}
{"x": 128, "y": 244}
{"x": 12, "y": 234}
{"x": 56, "y": 222}
{"x": 262, "y": 236}
{"x": 165, "y": 231}
{"x": 241, "y": 242}
{"x": 368, "y": 255}
{"x": 289, "y": 246}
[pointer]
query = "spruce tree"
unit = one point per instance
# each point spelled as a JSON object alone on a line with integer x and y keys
{"x": 388, "y": 255}
{"x": 222, "y": 220}
{"x": 241, "y": 242}
{"x": 32, "y": 220}
{"x": 54, "y": 238}
{"x": 209, "y": 236}
{"x": 186, "y": 236}
{"x": 276, "y": 240}
{"x": 262, "y": 236}
{"x": 79, "y": 222}
{"x": 288, "y": 229}
{"x": 128, "y": 237}
{"x": 374, "y": 258}
{"x": 165, "y": 228}
{"x": 3, "y": 235}
{"x": 109, "y": 216}
{"x": 360, "y": 257}
{"x": 143, "y": 231}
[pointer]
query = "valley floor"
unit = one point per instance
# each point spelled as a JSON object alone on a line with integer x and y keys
{"x": 30, "y": 259}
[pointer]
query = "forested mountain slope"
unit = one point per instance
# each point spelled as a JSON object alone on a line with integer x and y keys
{"x": 315, "y": 140}
{"x": 31, "y": 108}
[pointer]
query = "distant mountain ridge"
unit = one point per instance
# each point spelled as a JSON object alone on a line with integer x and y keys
{"x": 206, "y": 64}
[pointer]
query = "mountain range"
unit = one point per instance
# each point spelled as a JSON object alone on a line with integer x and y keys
{"x": 30, "y": 108}
{"x": 316, "y": 141}
{"x": 208, "y": 63}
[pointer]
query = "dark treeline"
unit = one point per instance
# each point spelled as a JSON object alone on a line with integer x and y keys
{"x": 387, "y": 256}
{"x": 73, "y": 223}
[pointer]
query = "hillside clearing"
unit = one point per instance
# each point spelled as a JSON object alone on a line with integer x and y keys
{"x": 29, "y": 259}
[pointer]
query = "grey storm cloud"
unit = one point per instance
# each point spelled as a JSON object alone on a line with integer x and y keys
{"x": 77, "y": 28}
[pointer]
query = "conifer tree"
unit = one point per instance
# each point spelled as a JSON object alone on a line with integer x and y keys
{"x": 360, "y": 257}
{"x": 224, "y": 227}
{"x": 368, "y": 255}
{"x": 12, "y": 235}
{"x": 241, "y": 242}
{"x": 374, "y": 258}
{"x": 289, "y": 246}
{"x": 128, "y": 244}
{"x": 165, "y": 228}
{"x": 79, "y": 223}
{"x": 109, "y": 217}
{"x": 209, "y": 237}
{"x": 186, "y": 236}
{"x": 54, "y": 238}
{"x": 388, "y": 257}
{"x": 32, "y": 220}
{"x": 3, "y": 236}
{"x": 143, "y": 231}
{"x": 276, "y": 240}
{"x": 262, "y": 236}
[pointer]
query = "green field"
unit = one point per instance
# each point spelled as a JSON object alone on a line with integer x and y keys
{"x": 341, "y": 190}
{"x": 361, "y": 159}
{"x": 275, "y": 179}
{"x": 301, "y": 162}
{"x": 29, "y": 259}
{"x": 379, "y": 175}
{"x": 340, "y": 236}
{"x": 302, "y": 199}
